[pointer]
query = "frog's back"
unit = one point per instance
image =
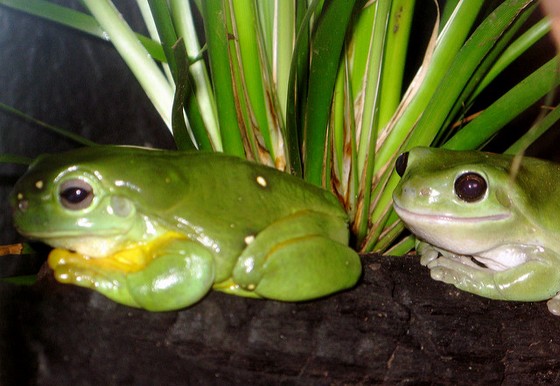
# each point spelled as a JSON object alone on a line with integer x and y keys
{"x": 197, "y": 187}
{"x": 244, "y": 190}
{"x": 539, "y": 180}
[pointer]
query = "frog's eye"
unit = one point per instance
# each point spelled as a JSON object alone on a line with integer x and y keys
{"x": 75, "y": 194}
{"x": 401, "y": 163}
{"x": 470, "y": 187}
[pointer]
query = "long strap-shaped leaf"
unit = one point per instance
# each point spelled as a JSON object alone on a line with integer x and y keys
{"x": 510, "y": 105}
{"x": 64, "y": 133}
{"x": 297, "y": 86}
{"x": 477, "y": 57}
{"x": 217, "y": 38}
{"x": 202, "y": 93}
{"x": 326, "y": 47}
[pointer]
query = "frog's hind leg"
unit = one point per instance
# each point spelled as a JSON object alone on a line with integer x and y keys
{"x": 308, "y": 268}
{"x": 300, "y": 257}
{"x": 179, "y": 276}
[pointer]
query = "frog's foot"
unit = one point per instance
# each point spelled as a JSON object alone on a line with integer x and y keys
{"x": 75, "y": 270}
{"x": 427, "y": 252}
{"x": 430, "y": 254}
{"x": 459, "y": 271}
{"x": 301, "y": 257}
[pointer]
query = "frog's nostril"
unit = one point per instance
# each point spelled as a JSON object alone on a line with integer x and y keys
{"x": 23, "y": 205}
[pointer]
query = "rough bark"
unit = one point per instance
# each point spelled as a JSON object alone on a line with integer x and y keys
{"x": 396, "y": 327}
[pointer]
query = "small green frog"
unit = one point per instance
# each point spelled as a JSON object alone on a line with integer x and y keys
{"x": 481, "y": 227}
{"x": 158, "y": 229}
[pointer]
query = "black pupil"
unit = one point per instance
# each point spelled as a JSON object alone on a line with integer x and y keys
{"x": 470, "y": 187}
{"x": 75, "y": 195}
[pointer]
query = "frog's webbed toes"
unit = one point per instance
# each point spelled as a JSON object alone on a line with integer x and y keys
{"x": 112, "y": 284}
{"x": 447, "y": 270}
{"x": 72, "y": 274}
{"x": 444, "y": 274}
{"x": 86, "y": 277}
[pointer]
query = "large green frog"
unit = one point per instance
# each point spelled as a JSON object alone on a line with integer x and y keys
{"x": 158, "y": 229}
{"x": 481, "y": 226}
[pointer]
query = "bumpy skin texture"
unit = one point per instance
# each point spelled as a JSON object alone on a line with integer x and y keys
{"x": 502, "y": 242}
{"x": 157, "y": 229}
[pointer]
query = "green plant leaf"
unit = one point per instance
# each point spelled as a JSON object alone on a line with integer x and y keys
{"x": 206, "y": 125}
{"x": 512, "y": 52}
{"x": 64, "y": 133}
{"x": 328, "y": 39}
{"x": 217, "y": 34}
{"x": 181, "y": 134}
{"x": 541, "y": 126}
{"x": 154, "y": 83}
{"x": 20, "y": 280}
{"x": 297, "y": 86}
{"x": 476, "y": 58}
{"x": 511, "y": 104}
{"x": 372, "y": 86}
{"x": 15, "y": 159}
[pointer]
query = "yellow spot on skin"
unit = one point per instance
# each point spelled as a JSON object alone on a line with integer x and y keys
{"x": 20, "y": 196}
{"x": 249, "y": 239}
{"x": 251, "y": 287}
{"x": 261, "y": 181}
{"x": 39, "y": 184}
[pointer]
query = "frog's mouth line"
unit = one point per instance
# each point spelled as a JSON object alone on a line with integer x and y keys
{"x": 53, "y": 237}
{"x": 415, "y": 216}
{"x": 69, "y": 234}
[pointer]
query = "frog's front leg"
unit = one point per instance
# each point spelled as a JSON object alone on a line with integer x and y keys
{"x": 300, "y": 257}
{"x": 535, "y": 280}
{"x": 177, "y": 275}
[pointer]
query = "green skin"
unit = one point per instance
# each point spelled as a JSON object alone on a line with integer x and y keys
{"x": 503, "y": 245}
{"x": 245, "y": 229}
